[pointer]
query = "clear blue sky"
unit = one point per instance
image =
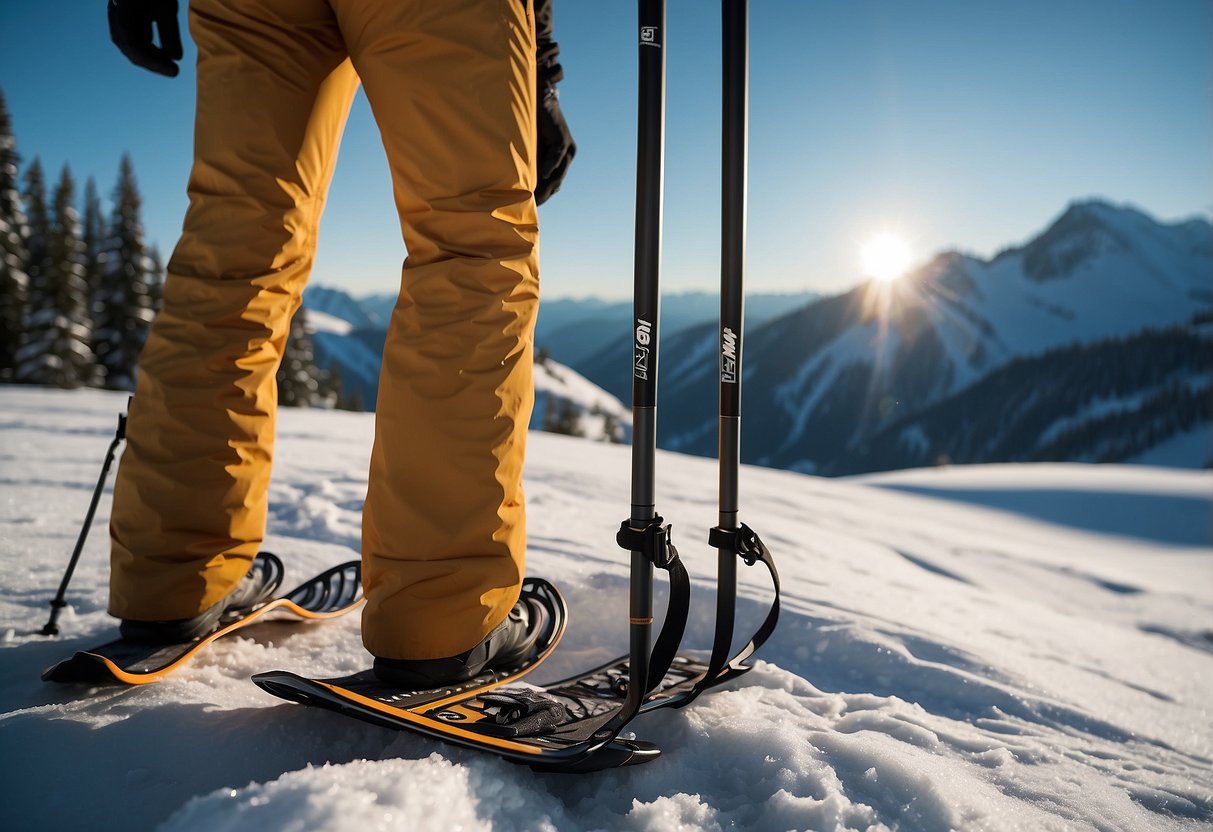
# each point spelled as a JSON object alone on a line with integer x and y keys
{"x": 961, "y": 124}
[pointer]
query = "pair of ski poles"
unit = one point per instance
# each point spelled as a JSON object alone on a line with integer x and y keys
{"x": 732, "y": 539}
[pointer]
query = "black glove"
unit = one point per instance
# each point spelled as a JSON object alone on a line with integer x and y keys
{"x": 131, "y": 31}
{"x": 556, "y": 145}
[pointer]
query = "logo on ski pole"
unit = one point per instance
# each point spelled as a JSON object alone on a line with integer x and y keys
{"x": 644, "y": 336}
{"x": 648, "y": 36}
{"x": 728, "y": 356}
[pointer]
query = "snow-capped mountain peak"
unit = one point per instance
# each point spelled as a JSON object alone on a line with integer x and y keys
{"x": 830, "y": 375}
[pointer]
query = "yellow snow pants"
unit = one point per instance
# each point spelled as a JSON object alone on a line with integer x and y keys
{"x": 451, "y": 85}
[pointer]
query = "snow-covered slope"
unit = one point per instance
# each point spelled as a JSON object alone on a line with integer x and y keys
{"x": 990, "y": 648}
{"x": 318, "y": 321}
{"x": 338, "y": 304}
{"x": 561, "y": 392}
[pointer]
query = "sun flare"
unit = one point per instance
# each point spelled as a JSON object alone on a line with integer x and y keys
{"x": 886, "y": 257}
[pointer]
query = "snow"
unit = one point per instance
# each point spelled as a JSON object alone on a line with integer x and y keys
{"x": 1190, "y": 449}
{"x": 562, "y": 385}
{"x": 1017, "y": 647}
{"x": 318, "y": 321}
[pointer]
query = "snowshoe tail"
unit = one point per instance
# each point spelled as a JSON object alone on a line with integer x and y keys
{"x": 332, "y": 593}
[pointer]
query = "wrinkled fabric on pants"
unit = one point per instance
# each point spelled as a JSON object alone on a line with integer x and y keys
{"x": 451, "y": 85}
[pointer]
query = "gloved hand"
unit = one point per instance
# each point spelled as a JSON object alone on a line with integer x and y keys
{"x": 131, "y": 31}
{"x": 556, "y": 145}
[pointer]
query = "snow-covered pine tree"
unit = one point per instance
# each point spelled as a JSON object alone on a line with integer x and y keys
{"x": 58, "y": 327}
{"x": 128, "y": 287}
{"x": 562, "y": 416}
{"x": 14, "y": 251}
{"x": 94, "y": 236}
{"x": 156, "y": 287}
{"x": 300, "y": 382}
{"x": 37, "y": 261}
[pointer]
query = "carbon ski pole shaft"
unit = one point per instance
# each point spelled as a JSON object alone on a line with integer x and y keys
{"x": 734, "y": 128}
{"x": 650, "y": 159}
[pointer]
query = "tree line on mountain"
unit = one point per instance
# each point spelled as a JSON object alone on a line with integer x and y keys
{"x": 1106, "y": 401}
{"x": 562, "y": 415}
{"x": 79, "y": 290}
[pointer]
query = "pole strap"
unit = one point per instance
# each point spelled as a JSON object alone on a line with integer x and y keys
{"x": 747, "y": 545}
{"x": 655, "y": 543}
{"x": 743, "y": 542}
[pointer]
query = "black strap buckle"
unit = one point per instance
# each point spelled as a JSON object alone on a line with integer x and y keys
{"x": 744, "y": 541}
{"x": 653, "y": 541}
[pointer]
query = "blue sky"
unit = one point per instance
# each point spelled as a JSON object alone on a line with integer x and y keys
{"x": 957, "y": 124}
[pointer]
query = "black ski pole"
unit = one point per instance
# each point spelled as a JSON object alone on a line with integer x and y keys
{"x": 734, "y": 129}
{"x": 650, "y": 153}
{"x": 58, "y": 602}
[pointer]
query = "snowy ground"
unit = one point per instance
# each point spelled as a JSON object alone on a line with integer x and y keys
{"x": 1001, "y": 648}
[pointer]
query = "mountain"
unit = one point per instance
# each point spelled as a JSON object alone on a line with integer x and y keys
{"x": 339, "y": 304}
{"x": 828, "y": 382}
{"x": 565, "y": 402}
{"x": 822, "y": 380}
{"x": 349, "y": 334}
{"x": 578, "y": 332}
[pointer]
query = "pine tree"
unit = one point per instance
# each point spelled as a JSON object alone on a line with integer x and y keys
{"x": 156, "y": 287}
{"x": 14, "y": 250}
{"x": 39, "y": 299}
{"x": 300, "y": 382}
{"x": 94, "y": 236}
{"x": 128, "y": 287}
{"x": 58, "y": 328}
{"x": 566, "y": 419}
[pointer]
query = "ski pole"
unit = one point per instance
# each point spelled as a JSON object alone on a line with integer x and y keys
{"x": 58, "y": 602}
{"x": 650, "y": 153}
{"x": 734, "y": 128}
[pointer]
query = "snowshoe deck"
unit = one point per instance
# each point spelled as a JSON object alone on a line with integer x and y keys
{"x": 328, "y": 595}
{"x": 558, "y": 727}
{"x": 544, "y": 727}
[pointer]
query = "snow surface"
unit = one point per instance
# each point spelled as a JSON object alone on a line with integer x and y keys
{"x": 988, "y": 648}
{"x": 1190, "y": 449}
{"x": 562, "y": 385}
{"x": 318, "y": 321}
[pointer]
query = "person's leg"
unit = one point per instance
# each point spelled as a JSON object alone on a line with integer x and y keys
{"x": 452, "y": 87}
{"x": 274, "y": 90}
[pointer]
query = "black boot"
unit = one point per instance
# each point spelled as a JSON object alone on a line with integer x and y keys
{"x": 511, "y": 645}
{"x": 256, "y": 588}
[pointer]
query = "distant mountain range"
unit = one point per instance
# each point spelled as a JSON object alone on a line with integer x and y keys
{"x": 582, "y": 332}
{"x": 1089, "y": 341}
{"x": 349, "y": 334}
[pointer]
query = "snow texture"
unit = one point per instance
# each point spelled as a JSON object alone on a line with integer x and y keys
{"x": 986, "y": 648}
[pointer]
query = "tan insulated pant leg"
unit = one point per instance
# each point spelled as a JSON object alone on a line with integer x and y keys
{"x": 274, "y": 89}
{"x": 452, "y": 87}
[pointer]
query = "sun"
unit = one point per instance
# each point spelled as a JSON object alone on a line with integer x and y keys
{"x": 886, "y": 257}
